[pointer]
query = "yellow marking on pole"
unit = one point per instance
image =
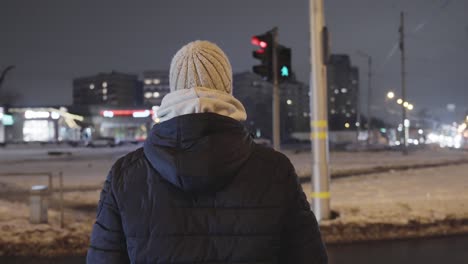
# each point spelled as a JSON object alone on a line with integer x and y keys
{"x": 320, "y": 195}
{"x": 319, "y": 135}
{"x": 319, "y": 123}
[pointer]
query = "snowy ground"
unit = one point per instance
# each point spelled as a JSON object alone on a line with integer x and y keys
{"x": 400, "y": 202}
{"x": 393, "y": 204}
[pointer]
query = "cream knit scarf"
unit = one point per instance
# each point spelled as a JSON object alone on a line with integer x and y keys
{"x": 200, "y": 100}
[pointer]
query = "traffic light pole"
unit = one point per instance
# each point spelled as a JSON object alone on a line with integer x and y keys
{"x": 318, "y": 118}
{"x": 276, "y": 95}
{"x": 403, "y": 85}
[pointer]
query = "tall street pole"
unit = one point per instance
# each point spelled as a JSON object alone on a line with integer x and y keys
{"x": 318, "y": 118}
{"x": 369, "y": 93}
{"x": 369, "y": 100}
{"x": 276, "y": 94}
{"x": 405, "y": 121}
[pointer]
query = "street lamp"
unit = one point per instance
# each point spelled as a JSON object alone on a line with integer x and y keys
{"x": 405, "y": 104}
{"x": 390, "y": 95}
{"x": 399, "y": 101}
{"x": 410, "y": 107}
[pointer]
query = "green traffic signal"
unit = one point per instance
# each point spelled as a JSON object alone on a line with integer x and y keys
{"x": 284, "y": 71}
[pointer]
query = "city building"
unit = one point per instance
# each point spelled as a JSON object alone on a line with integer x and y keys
{"x": 256, "y": 96}
{"x": 155, "y": 87}
{"x": 343, "y": 93}
{"x": 111, "y": 89}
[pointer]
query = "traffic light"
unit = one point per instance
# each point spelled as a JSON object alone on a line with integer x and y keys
{"x": 284, "y": 63}
{"x": 264, "y": 54}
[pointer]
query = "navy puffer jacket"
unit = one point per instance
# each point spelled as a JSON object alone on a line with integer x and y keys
{"x": 201, "y": 191}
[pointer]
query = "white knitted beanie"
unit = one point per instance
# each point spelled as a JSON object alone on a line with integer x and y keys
{"x": 200, "y": 64}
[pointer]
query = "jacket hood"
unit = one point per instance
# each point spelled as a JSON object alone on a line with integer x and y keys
{"x": 198, "y": 152}
{"x": 200, "y": 100}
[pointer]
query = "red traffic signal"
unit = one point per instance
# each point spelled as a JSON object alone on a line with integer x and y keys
{"x": 263, "y": 54}
{"x": 257, "y": 42}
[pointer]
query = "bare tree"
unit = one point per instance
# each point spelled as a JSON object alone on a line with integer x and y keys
{"x": 6, "y": 97}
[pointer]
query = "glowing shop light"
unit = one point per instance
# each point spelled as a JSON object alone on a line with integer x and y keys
{"x": 30, "y": 114}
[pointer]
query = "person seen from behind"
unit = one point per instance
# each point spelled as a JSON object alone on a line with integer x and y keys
{"x": 200, "y": 190}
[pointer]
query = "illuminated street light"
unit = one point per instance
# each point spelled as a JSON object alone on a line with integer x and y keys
{"x": 289, "y": 102}
{"x": 410, "y": 107}
{"x": 405, "y": 104}
{"x": 399, "y": 101}
{"x": 407, "y": 123}
{"x": 390, "y": 95}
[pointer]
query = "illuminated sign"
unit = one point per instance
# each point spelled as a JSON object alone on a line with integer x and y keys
{"x": 141, "y": 114}
{"x": 30, "y": 114}
{"x": 7, "y": 120}
{"x": 127, "y": 113}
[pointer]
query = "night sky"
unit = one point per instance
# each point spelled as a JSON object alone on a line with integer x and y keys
{"x": 53, "y": 41}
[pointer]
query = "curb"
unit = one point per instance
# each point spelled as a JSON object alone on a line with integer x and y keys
{"x": 381, "y": 169}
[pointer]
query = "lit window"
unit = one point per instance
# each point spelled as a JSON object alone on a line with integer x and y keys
{"x": 348, "y": 115}
{"x": 104, "y": 97}
{"x": 156, "y": 81}
{"x": 289, "y": 102}
{"x": 332, "y": 99}
{"x": 104, "y": 84}
{"x": 333, "y": 111}
{"x": 156, "y": 94}
{"x": 337, "y": 91}
{"x": 147, "y": 81}
{"x": 344, "y": 90}
{"x": 91, "y": 86}
{"x": 346, "y": 125}
{"x": 104, "y": 90}
{"x": 148, "y": 95}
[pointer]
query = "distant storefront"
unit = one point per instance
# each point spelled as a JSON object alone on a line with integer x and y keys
{"x": 43, "y": 125}
{"x": 55, "y": 125}
{"x": 123, "y": 125}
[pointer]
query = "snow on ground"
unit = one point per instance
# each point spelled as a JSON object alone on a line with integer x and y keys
{"x": 414, "y": 197}
{"x": 398, "y": 197}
